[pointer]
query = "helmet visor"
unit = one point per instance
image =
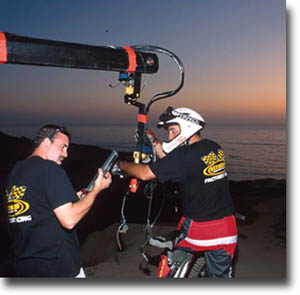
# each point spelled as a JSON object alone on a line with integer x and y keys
{"x": 165, "y": 117}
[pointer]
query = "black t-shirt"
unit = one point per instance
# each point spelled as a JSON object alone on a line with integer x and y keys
{"x": 42, "y": 247}
{"x": 200, "y": 171}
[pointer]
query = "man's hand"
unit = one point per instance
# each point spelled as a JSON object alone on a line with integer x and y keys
{"x": 81, "y": 194}
{"x": 115, "y": 170}
{"x": 106, "y": 183}
{"x": 156, "y": 143}
{"x": 152, "y": 136}
{"x": 102, "y": 181}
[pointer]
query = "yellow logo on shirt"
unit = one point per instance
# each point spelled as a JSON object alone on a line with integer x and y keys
{"x": 215, "y": 163}
{"x": 16, "y": 206}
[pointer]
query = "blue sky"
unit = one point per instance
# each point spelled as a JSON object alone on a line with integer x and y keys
{"x": 233, "y": 52}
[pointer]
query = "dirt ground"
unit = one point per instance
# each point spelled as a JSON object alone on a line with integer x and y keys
{"x": 261, "y": 250}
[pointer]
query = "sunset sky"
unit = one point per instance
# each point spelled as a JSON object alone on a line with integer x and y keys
{"x": 233, "y": 51}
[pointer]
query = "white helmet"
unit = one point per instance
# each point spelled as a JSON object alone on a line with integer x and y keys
{"x": 188, "y": 120}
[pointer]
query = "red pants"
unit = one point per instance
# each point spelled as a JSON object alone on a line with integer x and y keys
{"x": 209, "y": 235}
{"x": 217, "y": 239}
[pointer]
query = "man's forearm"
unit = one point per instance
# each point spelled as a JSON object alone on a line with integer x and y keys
{"x": 70, "y": 214}
{"x": 160, "y": 153}
{"x": 81, "y": 207}
{"x": 140, "y": 171}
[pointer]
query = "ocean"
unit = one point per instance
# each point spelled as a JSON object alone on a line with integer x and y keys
{"x": 251, "y": 152}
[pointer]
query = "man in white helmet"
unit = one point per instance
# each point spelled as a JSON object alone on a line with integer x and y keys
{"x": 198, "y": 166}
